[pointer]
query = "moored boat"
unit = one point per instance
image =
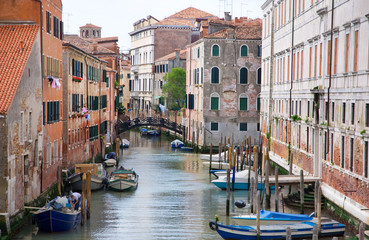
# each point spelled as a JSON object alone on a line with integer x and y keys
{"x": 303, "y": 229}
{"x": 153, "y": 133}
{"x": 124, "y": 143}
{"x": 177, "y": 143}
{"x": 56, "y": 217}
{"x": 98, "y": 176}
{"x": 270, "y": 217}
{"x": 123, "y": 180}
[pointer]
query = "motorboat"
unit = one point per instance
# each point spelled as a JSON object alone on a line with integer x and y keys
{"x": 124, "y": 143}
{"x": 123, "y": 180}
{"x": 98, "y": 176}
{"x": 270, "y": 217}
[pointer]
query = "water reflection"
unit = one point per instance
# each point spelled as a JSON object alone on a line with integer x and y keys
{"x": 174, "y": 199}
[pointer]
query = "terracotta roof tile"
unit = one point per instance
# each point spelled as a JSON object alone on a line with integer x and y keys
{"x": 186, "y": 17}
{"x": 251, "y": 30}
{"x": 86, "y": 45}
{"x": 16, "y": 42}
{"x": 172, "y": 56}
{"x": 106, "y": 39}
{"x": 89, "y": 25}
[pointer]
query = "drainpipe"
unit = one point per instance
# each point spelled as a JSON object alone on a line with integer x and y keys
{"x": 330, "y": 79}
{"x": 292, "y": 75}
{"x": 42, "y": 86}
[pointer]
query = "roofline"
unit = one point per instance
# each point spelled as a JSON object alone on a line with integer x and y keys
{"x": 77, "y": 48}
{"x": 266, "y": 4}
{"x": 142, "y": 29}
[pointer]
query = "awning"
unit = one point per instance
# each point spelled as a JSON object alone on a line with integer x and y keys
{"x": 157, "y": 97}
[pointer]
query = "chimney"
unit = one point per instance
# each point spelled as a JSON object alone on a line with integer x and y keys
{"x": 227, "y": 16}
{"x": 94, "y": 47}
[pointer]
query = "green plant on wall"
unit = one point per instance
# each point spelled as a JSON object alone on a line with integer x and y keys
{"x": 296, "y": 118}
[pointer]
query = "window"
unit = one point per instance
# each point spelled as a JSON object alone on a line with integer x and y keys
{"x": 48, "y": 22}
{"x": 351, "y": 165}
{"x": 347, "y": 51}
{"x": 61, "y": 30}
{"x": 343, "y": 112}
{"x": 366, "y": 158}
{"x": 243, "y": 103}
{"x": 243, "y": 127}
{"x": 198, "y": 52}
{"x": 94, "y": 132}
{"x": 191, "y": 101}
{"x": 332, "y": 112}
{"x": 215, "y": 75}
{"x": 352, "y": 113}
{"x": 214, "y": 126}
{"x": 258, "y": 81}
{"x": 52, "y": 112}
{"x": 104, "y": 127}
{"x": 56, "y": 27}
{"x": 75, "y": 102}
{"x": 307, "y": 139}
{"x": 215, "y": 51}
{"x": 214, "y": 103}
{"x": 343, "y": 152}
{"x": 332, "y": 139}
{"x": 308, "y": 108}
{"x": 356, "y": 46}
{"x": 243, "y": 75}
{"x": 326, "y": 111}
{"x": 202, "y": 75}
{"x": 244, "y": 51}
{"x": 103, "y": 101}
{"x": 335, "y": 56}
{"x": 258, "y": 127}
{"x": 258, "y": 104}
{"x": 259, "y": 51}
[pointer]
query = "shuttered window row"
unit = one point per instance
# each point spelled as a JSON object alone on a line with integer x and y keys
{"x": 94, "y": 132}
{"x": 51, "y": 67}
{"x": 93, "y": 103}
{"x": 77, "y": 68}
{"x": 77, "y": 102}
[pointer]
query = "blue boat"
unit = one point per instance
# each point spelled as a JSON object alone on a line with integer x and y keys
{"x": 304, "y": 229}
{"x": 153, "y": 133}
{"x": 177, "y": 143}
{"x": 270, "y": 217}
{"x": 50, "y": 220}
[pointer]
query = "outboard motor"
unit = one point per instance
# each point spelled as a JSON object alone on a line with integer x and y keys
{"x": 240, "y": 204}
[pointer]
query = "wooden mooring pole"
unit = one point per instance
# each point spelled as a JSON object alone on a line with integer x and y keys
{"x": 228, "y": 190}
{"x": 302, "y": 195}
{"x": 59, "y": 180}
{"x": 290, "y": 171}
{"x": 276, "y": 190}
{"x": 267, "y": 187}
{"x": 258, "y": 215}
{"x": 83, "y": 199}
{"x": 252, "y": 195}
{"x": 117, "y": 147}
{"x": 88, "y": 194}
{"x": 211, "y": 156}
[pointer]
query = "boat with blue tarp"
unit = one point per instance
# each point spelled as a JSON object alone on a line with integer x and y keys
{"x": 57, "y": 216}
{"x": 300, "y": 230}
{"x": 270, "y": 217}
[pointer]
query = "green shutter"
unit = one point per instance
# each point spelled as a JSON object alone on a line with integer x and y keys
{"x": 243, "y": 76}
{"x": 214, "y": 75}
{"x": 258, "y": 104}
{"x": 243, "y": 127}
{"x": 259, "y": 76}
{"x": 214, "y": 103}
{"x": 243, "y": 104}
{"x": 243, "y": 51}
{"x": 215, "y": 51}
{"x": 214, "y": 126}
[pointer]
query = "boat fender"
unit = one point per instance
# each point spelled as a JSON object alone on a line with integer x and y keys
{"x": 240, "y": 204}
{"x": 213, "y": 225}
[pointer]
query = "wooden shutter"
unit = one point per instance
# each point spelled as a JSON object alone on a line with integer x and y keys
{"x": 244, "y": 51}
{"x": 214, "y": 75}
{"x": 243, "y": 104}
{"x": 214, "y": 103}
{"x": 215, "y": 52}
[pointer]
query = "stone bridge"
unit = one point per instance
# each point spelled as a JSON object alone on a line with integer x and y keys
{"x": 149, "y": 121}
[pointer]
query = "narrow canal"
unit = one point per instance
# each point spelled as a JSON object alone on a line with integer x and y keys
{"x": 175, "y": 199}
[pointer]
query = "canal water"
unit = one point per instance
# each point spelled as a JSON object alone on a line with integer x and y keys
{"x": 175, "y": 199}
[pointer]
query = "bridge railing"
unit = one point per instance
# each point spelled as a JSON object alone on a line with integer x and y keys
{"x": 149, "y": 121}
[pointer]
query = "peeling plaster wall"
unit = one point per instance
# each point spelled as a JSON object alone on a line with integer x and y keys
{"x": 24, "y": 123}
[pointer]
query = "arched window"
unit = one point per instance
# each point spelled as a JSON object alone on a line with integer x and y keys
{"x": 259, "y": 50}
{"x": 244, "y": 74}
{"x": 244, "y": 51}
{"x": 243, "y": 102}
{"x": 258, "y": 80}
{"x": 214, "y": 101}
{"x": 215, "y": 51}
{"x": 215, "y": 75}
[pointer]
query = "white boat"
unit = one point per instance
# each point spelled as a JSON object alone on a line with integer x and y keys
{"x": 123, "y": 180}
{"x": 98, "y": 176}
{"x": 124, "y": 143}
{"x": 216, "y": 165}
{"x": 110, "y": 162}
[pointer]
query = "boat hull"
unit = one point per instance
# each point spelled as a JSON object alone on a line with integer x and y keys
{"x": 270, "y": 218}
{"x": 237, "y": 185}
{"x": 56, "y": 221}
{"x": 97, "y": 183}
{"x": 298, "y": 230}
{"x": 122, "y": 185}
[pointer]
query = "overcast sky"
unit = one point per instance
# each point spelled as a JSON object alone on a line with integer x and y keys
{"x": 116, "y": 17}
